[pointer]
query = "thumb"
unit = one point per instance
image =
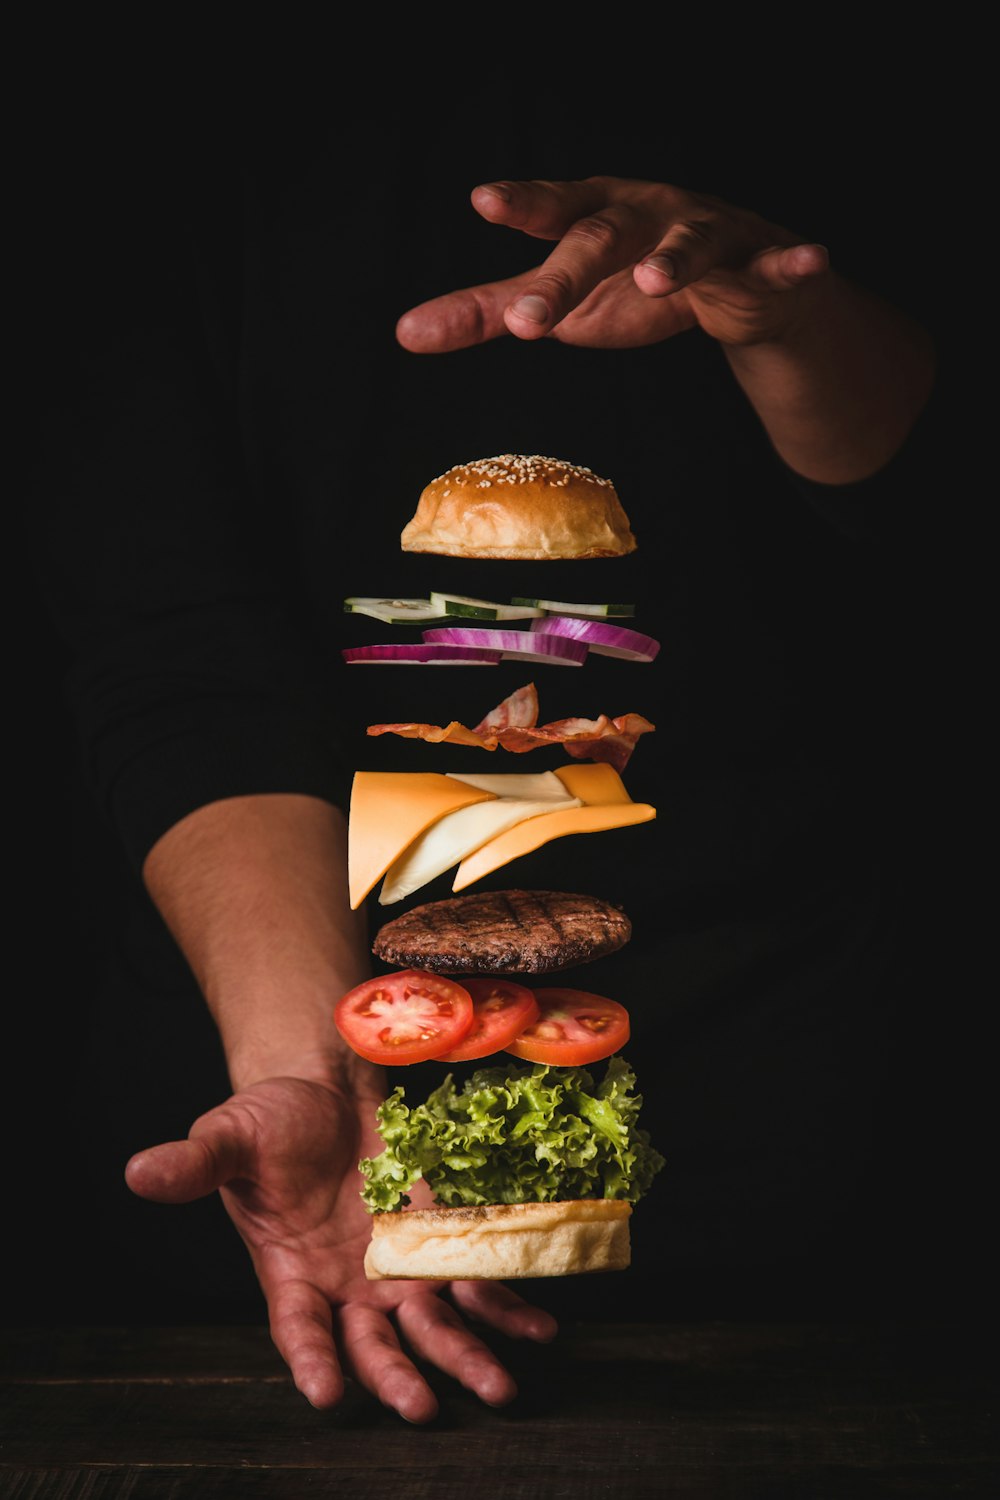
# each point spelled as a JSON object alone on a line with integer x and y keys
{"x": 782, "y": 267}
{"x": 180, "y": 1171}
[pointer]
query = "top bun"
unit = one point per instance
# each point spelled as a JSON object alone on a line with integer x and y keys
{"x": 519, "y": 506}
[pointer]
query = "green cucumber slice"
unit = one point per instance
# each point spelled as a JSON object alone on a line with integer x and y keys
{"x": 485, "y": 609}
{"x": 581, "y": 611}
{"x": 395, "y": 611}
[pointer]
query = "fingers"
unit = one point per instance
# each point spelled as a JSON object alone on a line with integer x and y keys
{"x": 459, "y": 319}
{"x": 495, "y": 1304}
{"x": 543, "y": 209}
{"x": 693, "y": 246}
{"x": 593, "y": 249}
{"x": 372, "y": 1354}
{"x": 436, "y": 1333}
{"x": 603, "y": 225}
{"x": 302, "y": 1333}
{"x": 611, "y": 232}
{"x": 690, "y": 250}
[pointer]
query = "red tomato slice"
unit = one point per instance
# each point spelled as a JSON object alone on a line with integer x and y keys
{"x": 574, "y": 1027}
{"x": 406, "y": 1017}
{"x": 501, "y": 1011}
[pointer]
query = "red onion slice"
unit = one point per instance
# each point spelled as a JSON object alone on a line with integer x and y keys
{"x": 598, "y": 635}
{"x": 519, "y": 645}
{"x": 430, "y": 655}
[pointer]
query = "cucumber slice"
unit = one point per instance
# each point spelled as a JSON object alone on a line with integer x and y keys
{"x": 484, "y": 609}
{"x": 395, "y": 611}
{"x": 582, "y": 611}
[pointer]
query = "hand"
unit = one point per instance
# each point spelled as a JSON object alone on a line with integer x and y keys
{"x": 283, "y": 1153}
{"x": 636, "y": 262}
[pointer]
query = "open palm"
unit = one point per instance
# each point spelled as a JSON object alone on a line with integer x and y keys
{"x": 283, "y": 1153}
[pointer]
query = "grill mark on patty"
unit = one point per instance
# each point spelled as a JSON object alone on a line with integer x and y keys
{"x": 543, "y": 915}
{"x": 504, "y": 932}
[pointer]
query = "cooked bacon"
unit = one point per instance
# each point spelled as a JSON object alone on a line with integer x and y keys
{"x": 512, "y": 725}
{"x": 615, "y": 742}
{"x": 455, "y": 732}
{"x": 611, "y": 740}
{"x": 520, "y": 711}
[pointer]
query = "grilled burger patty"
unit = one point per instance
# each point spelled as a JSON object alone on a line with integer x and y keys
{"x": 503, "y": 932}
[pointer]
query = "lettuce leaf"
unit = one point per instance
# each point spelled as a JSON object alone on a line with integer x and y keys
{"x": 524, "y": 1135}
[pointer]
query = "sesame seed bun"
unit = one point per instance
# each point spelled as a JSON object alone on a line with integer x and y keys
{"x": 519, "y": 506}
{"x": 500, "y": 1242}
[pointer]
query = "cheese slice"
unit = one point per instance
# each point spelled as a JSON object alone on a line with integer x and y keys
{"x": 594, "y": 782}
{"x": 389, "y": 809}
{"x": 606, "y": 804}
{"x": 458, "y": 834}
{"x": 530, "y": 785}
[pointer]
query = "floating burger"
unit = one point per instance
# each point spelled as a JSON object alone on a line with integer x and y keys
{"x": 533, "y": 1163}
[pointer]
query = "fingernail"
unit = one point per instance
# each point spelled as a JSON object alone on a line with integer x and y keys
{"x": 496, "y": 188}
{"x": 532, "y": 308}
{"x": 664, "y": 263}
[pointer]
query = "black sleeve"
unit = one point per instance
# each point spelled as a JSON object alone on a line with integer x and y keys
{"x": 893, "y": 507}
{"x": 192, "y": 676}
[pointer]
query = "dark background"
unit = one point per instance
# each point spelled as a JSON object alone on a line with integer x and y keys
{"x": 856, "y": 162}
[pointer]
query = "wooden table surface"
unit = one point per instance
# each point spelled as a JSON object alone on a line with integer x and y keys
{"x": 722, "y": 1410}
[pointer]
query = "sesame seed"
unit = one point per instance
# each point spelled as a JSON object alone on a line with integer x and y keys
{"x": 520, "y": 468}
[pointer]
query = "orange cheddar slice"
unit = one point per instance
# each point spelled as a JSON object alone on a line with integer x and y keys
{"x": 606, "y": 805}
{"x": 389, "y": 809}
{"x": 595, "y": 783}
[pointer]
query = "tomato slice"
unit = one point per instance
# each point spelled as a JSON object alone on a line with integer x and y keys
{"x": 406, "y": 1017}
{"x": 501, "y": 1011}
{"x": 573, "y": 1027}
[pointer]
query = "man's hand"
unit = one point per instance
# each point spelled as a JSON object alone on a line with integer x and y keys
{"x": 635, "y": 262}
{"x": 836, "y": 376}
{"x": 283, "y": 1153}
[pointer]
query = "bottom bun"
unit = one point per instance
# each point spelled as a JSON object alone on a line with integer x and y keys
{"x": 500, "y": 1241}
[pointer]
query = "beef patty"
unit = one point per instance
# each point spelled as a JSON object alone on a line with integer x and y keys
{"x": 503, "y": 932}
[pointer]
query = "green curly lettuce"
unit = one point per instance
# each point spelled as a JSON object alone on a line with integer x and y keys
{"x": 525, "y": 1135}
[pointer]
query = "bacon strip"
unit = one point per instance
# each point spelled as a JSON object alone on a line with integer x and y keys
{"x": 512, "y": 725}
{"x": 520, "y": 711}
{"x": 612, "y": 740}
{"x": 455, "y": 733}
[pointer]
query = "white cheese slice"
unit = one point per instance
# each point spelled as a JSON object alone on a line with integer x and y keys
{"x": 530, "y": 785}
{"x": 460, "y": 833}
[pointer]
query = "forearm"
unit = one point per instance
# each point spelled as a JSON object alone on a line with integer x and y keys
{"x": 839, "y": 389}
{"x": 254, "y": 890}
